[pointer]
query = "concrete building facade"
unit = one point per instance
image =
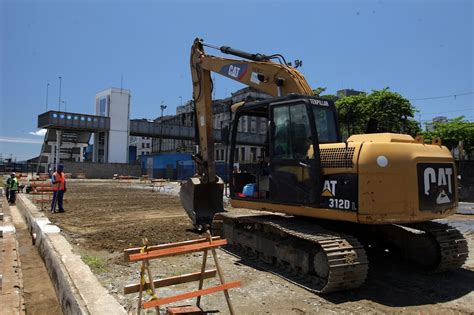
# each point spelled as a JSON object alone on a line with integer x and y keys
{"x": 222, "y": 117}
{"x": 143, "y": 145}
{"x": 430, "y": 126}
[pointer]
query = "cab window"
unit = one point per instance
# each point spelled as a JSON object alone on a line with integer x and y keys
{"x": 292, "y": 131}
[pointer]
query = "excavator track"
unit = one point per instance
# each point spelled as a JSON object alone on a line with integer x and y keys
{"x": 322, "y": 260}
{"x": 435, "y": 246}
{"x": 452, "y": 246}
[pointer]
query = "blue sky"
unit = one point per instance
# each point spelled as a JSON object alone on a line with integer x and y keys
{"x": 417, "y": 48}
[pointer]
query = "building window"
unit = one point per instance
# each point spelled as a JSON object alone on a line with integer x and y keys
{"x": 217, "y": 155}
{"x": 253, "y": 153}
{"x": 102, "y": 103}
{"x": 148, "y": 145}
{"x": 242, "y": 154}
{"x": 143, "y": 146}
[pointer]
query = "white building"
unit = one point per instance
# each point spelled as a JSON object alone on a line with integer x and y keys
{"x": 143, "y": 145}
{"x": 112, "y": 146}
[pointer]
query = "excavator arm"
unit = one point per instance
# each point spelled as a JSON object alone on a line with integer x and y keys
{"x": 259, "y": 72}
{"x": 202, "y": 194}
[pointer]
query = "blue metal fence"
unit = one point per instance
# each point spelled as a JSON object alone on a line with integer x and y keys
{"x": 186, "y": 169}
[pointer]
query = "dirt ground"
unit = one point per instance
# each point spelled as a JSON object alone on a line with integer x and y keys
{"x": 104, "y": 217}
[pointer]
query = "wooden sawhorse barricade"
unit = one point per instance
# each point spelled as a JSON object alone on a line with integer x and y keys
{"x": 43, "y": 190}
{"x": 158, "y": 184}
{"x": 146, "y": 253}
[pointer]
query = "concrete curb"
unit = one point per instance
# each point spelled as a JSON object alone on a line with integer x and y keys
{"x": 77, "y": 289}
{"x": 465, "y": 208}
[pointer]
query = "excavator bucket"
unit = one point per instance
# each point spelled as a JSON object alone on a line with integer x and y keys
{"x": 201, "y": 201}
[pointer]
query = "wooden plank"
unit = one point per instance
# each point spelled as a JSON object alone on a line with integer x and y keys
{"x": 41, "y": 184}
{"x": 159, "y": 283}
{"x": 178, "y": 250}
{"x": 44, "y": 188}
{"x": 127, "y": 252}
{"x": 185, "y": 309}
{"x": 190, "y": 295}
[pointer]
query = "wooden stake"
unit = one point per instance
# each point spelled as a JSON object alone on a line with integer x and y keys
{"x": 140, "y": 293}
{"x": 203, "y": 267}
{"x": 146, "y": 263}
{"x": 201, "y": 280}
{"x": 221, "y": 278}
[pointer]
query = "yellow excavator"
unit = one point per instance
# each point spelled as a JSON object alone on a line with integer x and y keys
{"x": 311, "y": 200}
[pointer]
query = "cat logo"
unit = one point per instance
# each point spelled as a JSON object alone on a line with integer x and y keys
{"x": 329, "y": 188}
{"x": 441, "y": 177}
{"x": 233, "y": 71}
{"x": 436, "y": 186}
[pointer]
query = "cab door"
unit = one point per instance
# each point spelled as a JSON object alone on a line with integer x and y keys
{"x": 295, "y": 173}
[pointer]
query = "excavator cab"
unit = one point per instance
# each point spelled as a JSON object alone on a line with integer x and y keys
{"x": 288, "y": 169}
{"x": 285, "y": 167}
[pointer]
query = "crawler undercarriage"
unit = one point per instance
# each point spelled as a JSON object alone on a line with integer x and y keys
{"x": 323, "y": 259}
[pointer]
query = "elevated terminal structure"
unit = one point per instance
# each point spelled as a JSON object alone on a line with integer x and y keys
{"x": 110, "y": 129}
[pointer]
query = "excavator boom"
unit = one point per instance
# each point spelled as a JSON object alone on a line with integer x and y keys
{"x": 201, "y": 196}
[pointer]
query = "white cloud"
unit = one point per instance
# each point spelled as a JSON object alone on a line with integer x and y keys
{"x": 20, "y": 140}
{"x": 40, "y": 132}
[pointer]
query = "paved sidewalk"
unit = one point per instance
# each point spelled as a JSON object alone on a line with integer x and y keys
{"x": 11, "y": 280}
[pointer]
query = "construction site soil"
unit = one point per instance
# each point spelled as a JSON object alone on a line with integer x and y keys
{"x": 104, "y": 217}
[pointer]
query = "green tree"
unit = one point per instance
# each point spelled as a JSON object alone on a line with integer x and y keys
{"x": 317, "y": 91}
{"x": 393, "y": 113}
{"x": 330, "y": 97}
{"x": 451, "y": 133}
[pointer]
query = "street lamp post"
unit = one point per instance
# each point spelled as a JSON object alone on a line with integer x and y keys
{"x": 65, "y": 105}
{"x": 59, "y": 102}
{"x": 47, "y": 92}
{"x": 163, "y": 107}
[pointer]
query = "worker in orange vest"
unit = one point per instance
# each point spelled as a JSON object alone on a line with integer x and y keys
{"x": 59, "y": 188}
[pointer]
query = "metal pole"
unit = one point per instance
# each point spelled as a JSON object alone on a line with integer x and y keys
{"x": 163, "y": 107}
{"x": 47, "y": 92}
{"x": 58, "y": 145}
{"x": 60, "y": 81}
